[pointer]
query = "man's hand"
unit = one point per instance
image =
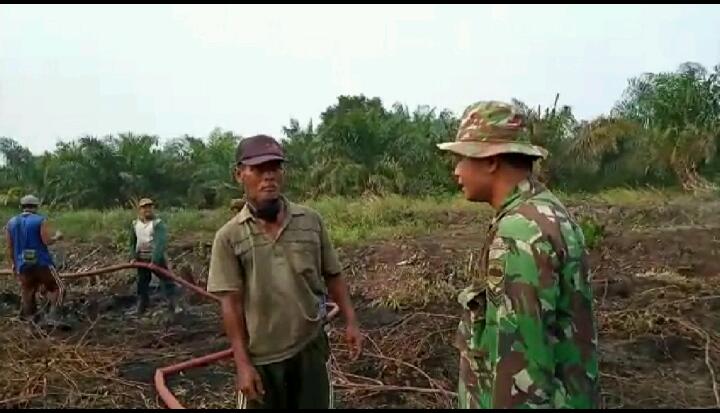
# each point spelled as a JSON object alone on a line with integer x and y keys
{"x": 58, "y": 236}
{"x": 338, "y": 291}
{"x": 249, "y": 382}
{"x": 354, "y": 339}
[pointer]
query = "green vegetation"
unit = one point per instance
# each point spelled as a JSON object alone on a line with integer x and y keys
{"x": 662, "y": 132}
{"x": 593, "y": 231}
{"x": 351, "y": 221}
{"x": 355, "y": 220}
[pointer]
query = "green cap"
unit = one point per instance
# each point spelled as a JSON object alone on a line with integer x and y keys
{"x": 145, "y": 201}
{"x": 490, "y": 128}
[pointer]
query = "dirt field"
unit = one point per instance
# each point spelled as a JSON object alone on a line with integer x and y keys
{"x": 657, "y": 288}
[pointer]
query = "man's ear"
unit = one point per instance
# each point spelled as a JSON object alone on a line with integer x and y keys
{"x": 493, "y": 164}
{"x": 238, "y": 173}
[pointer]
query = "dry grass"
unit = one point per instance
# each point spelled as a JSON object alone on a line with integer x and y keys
{"x": 658, "y": 343}
{"x": 399, "y": 359}
{"x": 45, "y": 371}
{"x": 669, "y": 323}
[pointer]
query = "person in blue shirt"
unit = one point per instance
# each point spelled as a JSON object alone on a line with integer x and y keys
{"x": 28, "y": 237}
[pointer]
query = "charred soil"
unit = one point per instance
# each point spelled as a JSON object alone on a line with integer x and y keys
{"x": 656, "y": 283}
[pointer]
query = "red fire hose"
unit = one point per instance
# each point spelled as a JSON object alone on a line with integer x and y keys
{"x": 165, "y": 394}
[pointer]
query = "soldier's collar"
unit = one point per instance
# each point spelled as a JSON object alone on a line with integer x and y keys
{"x": 525, "y": 189}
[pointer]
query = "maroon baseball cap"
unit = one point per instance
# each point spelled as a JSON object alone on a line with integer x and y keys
{"x": 258, "y": 149}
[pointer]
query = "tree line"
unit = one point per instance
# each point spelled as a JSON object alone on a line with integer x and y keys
{"x": 663, "y": 132}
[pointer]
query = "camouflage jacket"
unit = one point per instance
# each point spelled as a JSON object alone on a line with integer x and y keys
{"x": 528, "y": 336}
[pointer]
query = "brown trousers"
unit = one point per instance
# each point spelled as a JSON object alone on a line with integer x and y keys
{"x": 43, "y": 279}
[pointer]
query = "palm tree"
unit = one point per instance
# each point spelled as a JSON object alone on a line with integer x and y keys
{"x": 680, "y": 114}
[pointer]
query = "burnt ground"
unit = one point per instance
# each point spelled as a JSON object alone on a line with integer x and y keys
{"x": 656, "y": 283}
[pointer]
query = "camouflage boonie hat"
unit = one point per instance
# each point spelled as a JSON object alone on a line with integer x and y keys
{"x": 490, "y": 128}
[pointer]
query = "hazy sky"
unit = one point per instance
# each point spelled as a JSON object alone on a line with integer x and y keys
{"x": 66, "y": 71}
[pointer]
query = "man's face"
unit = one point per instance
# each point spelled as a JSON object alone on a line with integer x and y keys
{"x": 147, "y": 211}
{"x": 262, "y": 182}
{"x": 475, "y": 177}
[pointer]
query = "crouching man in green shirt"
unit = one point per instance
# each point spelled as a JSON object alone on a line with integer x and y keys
{"x": 273, "y": 264}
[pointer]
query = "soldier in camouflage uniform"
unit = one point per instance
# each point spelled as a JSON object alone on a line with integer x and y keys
{"x": 527, "y": 338}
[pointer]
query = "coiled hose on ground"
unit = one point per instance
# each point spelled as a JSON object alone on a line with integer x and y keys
{"x": 161, "y": 373}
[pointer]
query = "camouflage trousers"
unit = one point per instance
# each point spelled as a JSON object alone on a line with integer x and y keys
{"x": 474, "y": 387}
{"x": 470, "y": 388}
{"x": 475, "y": 392}
{"x": 465, "y": 395}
